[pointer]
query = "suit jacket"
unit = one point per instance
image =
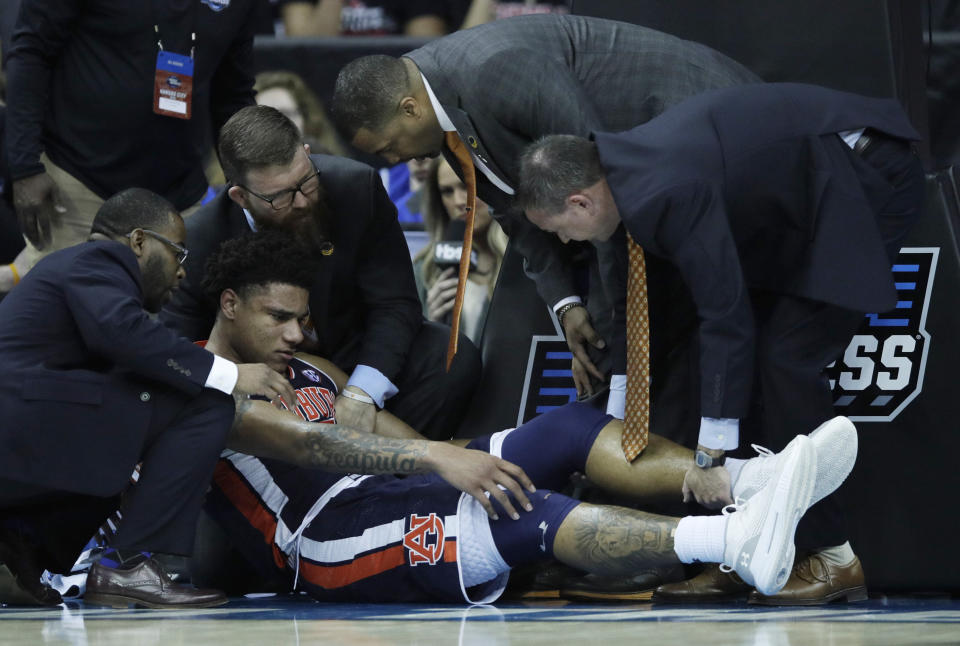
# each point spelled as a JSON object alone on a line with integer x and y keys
{"x": 747, "y": 188}
{"x": 363, "y": 303}
{"x": 508, "y": 83}
{"x": 80, "y": 357}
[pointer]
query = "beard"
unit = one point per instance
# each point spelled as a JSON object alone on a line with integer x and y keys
{"x": 312, "y": 226}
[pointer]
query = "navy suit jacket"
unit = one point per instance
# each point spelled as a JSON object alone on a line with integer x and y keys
{"x": 739, "y": 189}
{"x": 363, "y": 303}
{"x": 79, "y": 357}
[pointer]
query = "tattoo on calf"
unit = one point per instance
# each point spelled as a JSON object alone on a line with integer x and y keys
{"x": 337, "y": 448}
{"x": 618, "y": 541}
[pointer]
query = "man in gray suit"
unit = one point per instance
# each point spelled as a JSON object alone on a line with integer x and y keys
{"x": 503, "y": 85}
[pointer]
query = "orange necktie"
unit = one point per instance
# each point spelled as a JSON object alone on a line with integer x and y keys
{"x": 470, "y": 179}
{"x": 636, "y": 415}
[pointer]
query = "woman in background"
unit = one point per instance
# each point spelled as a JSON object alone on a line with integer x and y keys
{"x": 445, "y": 199}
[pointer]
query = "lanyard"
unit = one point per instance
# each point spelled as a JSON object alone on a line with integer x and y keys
{"x": 193, "y": 30}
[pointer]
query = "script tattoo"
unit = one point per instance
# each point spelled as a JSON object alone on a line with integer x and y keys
{"x": 332, "y": 447}
{"x": 617, "y": 540}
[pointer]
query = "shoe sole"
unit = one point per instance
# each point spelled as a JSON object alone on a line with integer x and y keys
{"x": 791, "y": 498}
{"x": 836, "y": 440}
{"x": 701, "y": 598}
{"x": 848, "y": 595}
{"x": 534, "y": 594}
{"x": 120, "y": 601}
{"x": 640, "y": 595}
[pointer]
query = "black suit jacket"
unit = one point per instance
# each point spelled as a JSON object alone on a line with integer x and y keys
{"x": 508, "y": 83}
{"x": 739, "y": 190}
{"x": 363, "y": 303}
{"x": 79, "y": 357}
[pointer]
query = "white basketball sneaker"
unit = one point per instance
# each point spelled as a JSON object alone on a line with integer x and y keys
{"x": 835, "y": 442}
{"x": 759, "y": 537}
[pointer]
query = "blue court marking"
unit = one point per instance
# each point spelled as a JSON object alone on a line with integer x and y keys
{"x": 906, "y": 286}
{"x": 906, "y": 268}
{"x": 559, "y": 355}
{"x": 904, "y": 305}
{"x": 558, "y": 373}
{"x": 286, "y": 607}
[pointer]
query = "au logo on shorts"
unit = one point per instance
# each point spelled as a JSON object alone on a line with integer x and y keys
{"x": 882, "y": 369}
{"x": 424, "y": 541}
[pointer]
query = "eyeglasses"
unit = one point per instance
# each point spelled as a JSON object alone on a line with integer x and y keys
{"x": 283, "y": 199}
{"x": 182, "y": 252}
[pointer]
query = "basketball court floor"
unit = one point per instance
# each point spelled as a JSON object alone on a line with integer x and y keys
{"x": 281, "y": 620}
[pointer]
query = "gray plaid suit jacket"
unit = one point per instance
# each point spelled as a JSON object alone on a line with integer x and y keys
{"x": 509, "y": 82}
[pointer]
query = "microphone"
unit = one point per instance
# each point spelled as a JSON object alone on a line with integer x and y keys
{"x": 448, "y": 251}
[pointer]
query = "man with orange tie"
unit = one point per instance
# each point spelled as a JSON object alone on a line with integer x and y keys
{"x": 754, "y": 193}
{"x": 364, "y": 310}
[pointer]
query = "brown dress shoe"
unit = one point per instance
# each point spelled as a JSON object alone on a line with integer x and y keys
{"x": 815, "y": 581}
{"x": 594, "y": 587}
{"x": 147, "y": 585}
{"x": 710, "y": 585}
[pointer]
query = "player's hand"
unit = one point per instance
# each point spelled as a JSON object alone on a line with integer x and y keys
{"x": 39, "y": 206}
{"x": 441, "y": 295}
{"x": 578, "y": 330}
{"x": 709, "y": 487}
{"x": 355, "y": 414}
{"x": 478, "y": 474}
{"x": 260, "y": 379}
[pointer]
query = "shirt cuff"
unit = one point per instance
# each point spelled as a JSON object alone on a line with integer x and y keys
{"x": 374, "y": 383}
{"x": 223, "y": 375}
{"x": 616, "y": 400}
{"x": 719, "y": 433}
{"x": 564, "y": 301}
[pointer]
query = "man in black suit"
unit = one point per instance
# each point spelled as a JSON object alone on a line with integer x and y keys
{"x": 364, "y": 311}
{"x": 505, "y": 84}
{"x": 783, "y": 207}
{"x": 90, "y": 386}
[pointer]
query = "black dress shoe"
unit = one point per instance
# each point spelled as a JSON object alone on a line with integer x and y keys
{"x": 20, "y": 572}
{"x": 147, "y": 585}
{"x": 540, "y": 581}
{"x": 640, "y": 587}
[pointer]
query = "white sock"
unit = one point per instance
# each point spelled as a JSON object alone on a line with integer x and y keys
{"x": 700, "y": 538}
{"x": 733, "y": 468}
{"x": 839, "y": 555}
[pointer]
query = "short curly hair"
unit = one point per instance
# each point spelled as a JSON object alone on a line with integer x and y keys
{"x": 256, "y": 260}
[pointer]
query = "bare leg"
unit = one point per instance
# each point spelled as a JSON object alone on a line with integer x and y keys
{"x": 615, "y": 541}
{"x": 657, "y": 475}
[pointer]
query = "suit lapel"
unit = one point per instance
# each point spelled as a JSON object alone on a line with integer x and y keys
{"x": 469, "y": 135}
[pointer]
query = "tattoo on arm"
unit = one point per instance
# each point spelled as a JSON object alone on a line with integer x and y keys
{"x": 242, "y": 405}
{"x": 337, "y": 448}
{"x": 618, "y": 541}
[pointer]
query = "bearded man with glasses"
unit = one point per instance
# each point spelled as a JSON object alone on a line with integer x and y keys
{"x": 365, "y": 314}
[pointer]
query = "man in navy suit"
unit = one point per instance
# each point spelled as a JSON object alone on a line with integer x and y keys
{"x": 92, "y": 385}
{"x": 783, "y": 207}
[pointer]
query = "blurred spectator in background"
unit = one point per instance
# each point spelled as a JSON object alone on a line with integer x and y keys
{"x": 404, "y": 183}
{"x": 481, "y": 11}
{"x": 287, "y": 92}
{"x": 422, "y": 18}
{"x": 11, "y": 242}
{"x": 445, "y": 200}
{"x": 943, "y": 82}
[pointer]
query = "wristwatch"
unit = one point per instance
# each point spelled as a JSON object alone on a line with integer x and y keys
{"x": 706, "y": 461}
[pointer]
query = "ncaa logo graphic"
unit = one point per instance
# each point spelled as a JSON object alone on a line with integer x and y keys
{"x": 882, "y": 369}
{"x": 424, "y": 541}
{"x": 879, "y": 374}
